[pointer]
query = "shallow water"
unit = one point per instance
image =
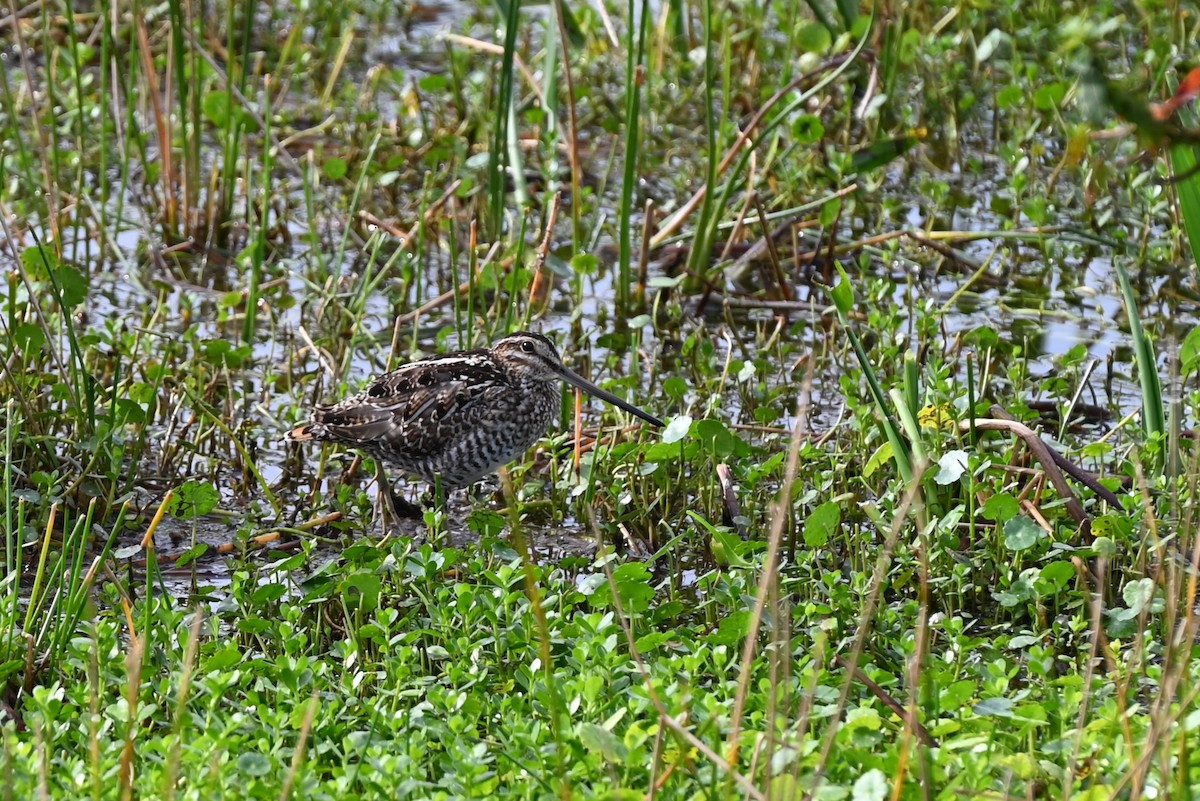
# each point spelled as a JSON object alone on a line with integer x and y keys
{"x": 1049, "y": 300}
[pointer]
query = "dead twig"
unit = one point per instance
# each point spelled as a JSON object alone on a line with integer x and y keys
{"x": 910, "y": 720}
{"x": 1053, "y": 465}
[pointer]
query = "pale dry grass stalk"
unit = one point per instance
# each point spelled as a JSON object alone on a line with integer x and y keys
{"x": 161, "y": 120}
{"x": 301, "y": 746}
{"x": 171, "y": 769}
{"x": 768, "y": 580}
{"x": 1174, "y": 698}
{"x": 572, "y": 120}
{"x": 44, "y": 150}
{"x": 882, "y": 561}
{"x": 915, "y": 663}
{"x": 93, "y": 676}
{"x": 664, "y": 716}
{"x": 133, "y": 663}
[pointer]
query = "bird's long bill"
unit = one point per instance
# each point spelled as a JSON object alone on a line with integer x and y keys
{"x": 591, "y": 389}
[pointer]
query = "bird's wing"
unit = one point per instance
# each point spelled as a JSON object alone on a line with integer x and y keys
{"x": 415, "y": 405}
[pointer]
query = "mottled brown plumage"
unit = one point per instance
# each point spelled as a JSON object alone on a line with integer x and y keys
{"x": 459, "y": 416}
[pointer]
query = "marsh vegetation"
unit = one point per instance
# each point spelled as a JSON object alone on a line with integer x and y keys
{"x": 912, "y": 285}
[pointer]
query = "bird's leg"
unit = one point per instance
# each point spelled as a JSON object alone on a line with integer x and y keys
{"x": 387, "y": 505}
{"x": 392, "y": 505}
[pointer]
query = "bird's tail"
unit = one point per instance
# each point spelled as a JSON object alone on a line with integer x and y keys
{"x": 308, "y": 431}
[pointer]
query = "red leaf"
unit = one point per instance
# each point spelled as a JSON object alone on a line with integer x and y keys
{"x": 1189, "y": 90}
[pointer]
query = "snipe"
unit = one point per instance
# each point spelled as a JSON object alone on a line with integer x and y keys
{"x": 456, "y": 417}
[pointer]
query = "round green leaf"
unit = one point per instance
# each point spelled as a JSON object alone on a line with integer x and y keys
{"x": 871, "y": 786}
{"x": 715, "y": 436}
{"x": 813, "y": 37}
{"x": 253, "y": 763}
{"x": 1021, "y": 533}
{"x": 808, "y": 128}
{"x": 193, "y": 499}
{"x": 336, "y": 168}
{"x": 821, "y": 523}
{"x": 1001, "y": 507}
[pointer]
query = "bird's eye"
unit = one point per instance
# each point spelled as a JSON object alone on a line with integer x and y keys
{"x": 527, "y": 347}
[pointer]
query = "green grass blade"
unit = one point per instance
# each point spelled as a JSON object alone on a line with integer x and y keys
{"x": 635, "y": 44}
{"x": 820, "y": 13}
{"x": 575, "y": 35}
{"x": 499, "y": 160}
{"x": 1187, "y": 188}
{"x": 843, "y": 299}
{"x": 1153, "y": 422}
{"x": 188, "y": 98}
{"x": 848, "y": 9}
{"x": 700, "y": 255}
